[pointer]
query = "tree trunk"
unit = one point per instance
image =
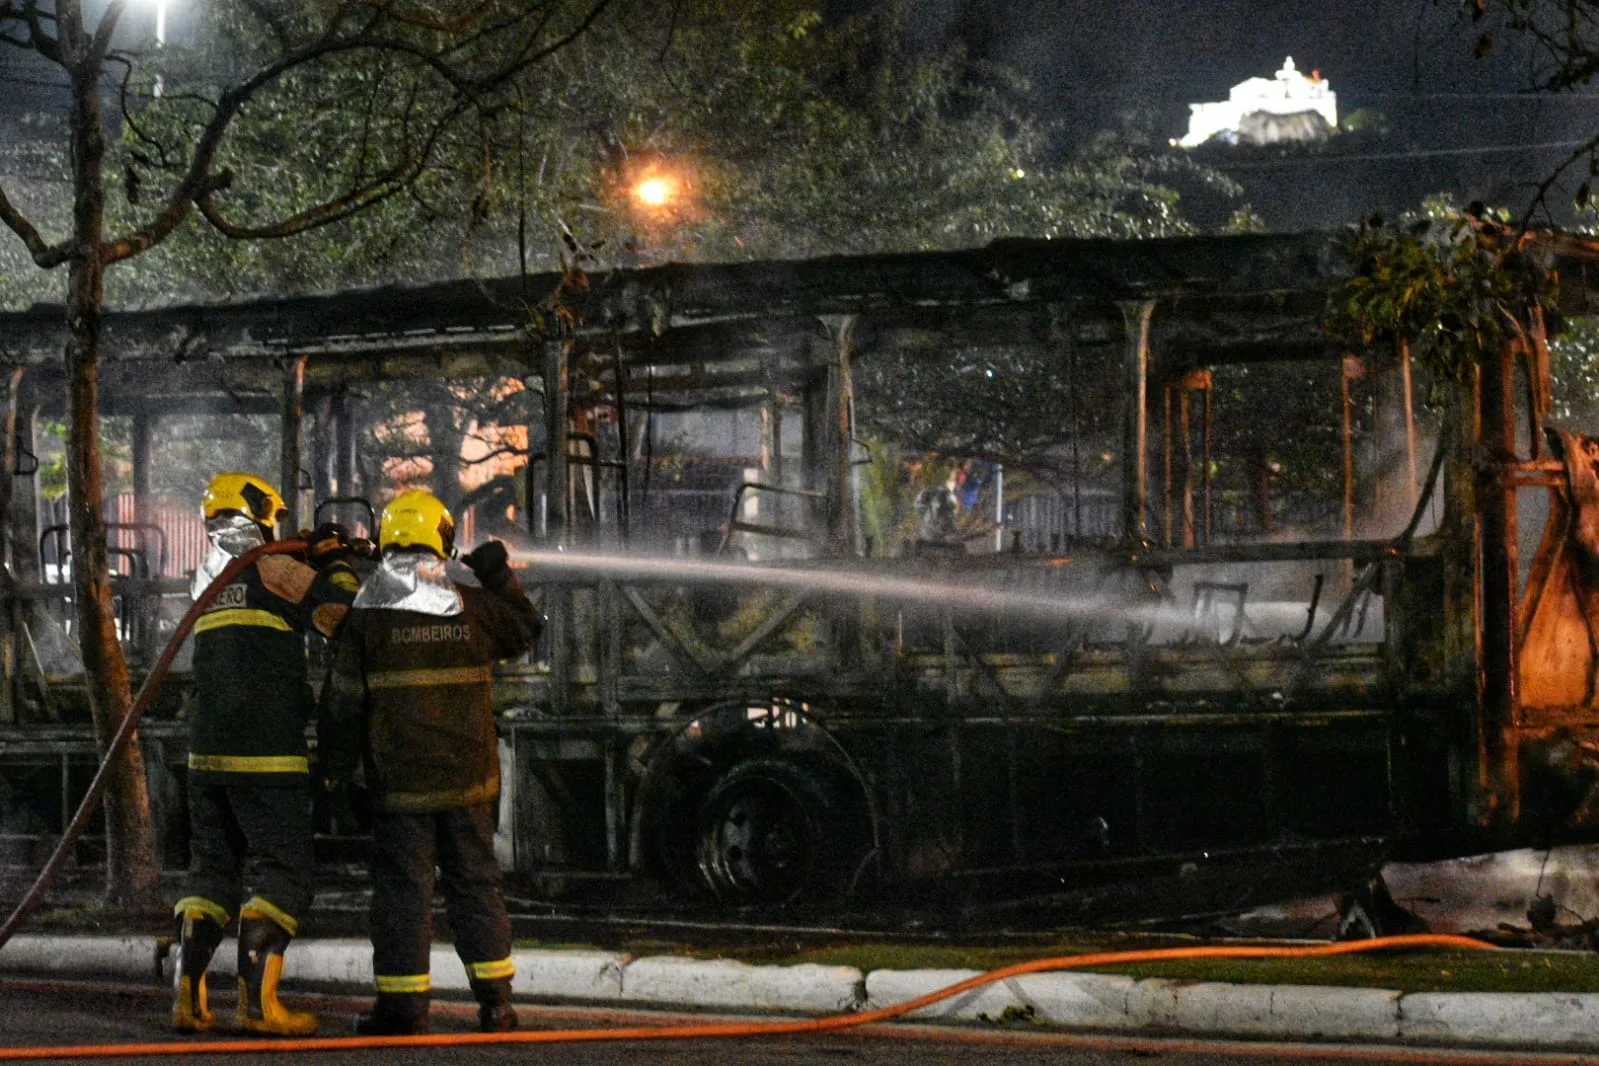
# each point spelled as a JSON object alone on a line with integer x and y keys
{"x": 132, "y": 867}
{"x": 441, "y": 415}
{"x": 1259, "y": 466}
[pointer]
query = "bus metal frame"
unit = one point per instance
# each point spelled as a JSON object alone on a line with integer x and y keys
{"x": 916, "y": 744}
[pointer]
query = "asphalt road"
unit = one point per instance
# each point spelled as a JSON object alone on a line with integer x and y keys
{"x": 122, "y": 1018}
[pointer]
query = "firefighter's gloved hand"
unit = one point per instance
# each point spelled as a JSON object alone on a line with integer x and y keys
{"x": 327, "y": 544}
{"x": 490, "y": 564}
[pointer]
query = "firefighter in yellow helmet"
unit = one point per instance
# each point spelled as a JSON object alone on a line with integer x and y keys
{"x": 411, "y": 698}
{"x": 249, "y": 774}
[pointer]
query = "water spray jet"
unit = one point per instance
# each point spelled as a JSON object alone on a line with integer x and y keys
{"x": 856, "y": 581}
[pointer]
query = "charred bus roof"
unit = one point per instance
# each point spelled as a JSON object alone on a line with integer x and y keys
{"x": 706, "y": 326}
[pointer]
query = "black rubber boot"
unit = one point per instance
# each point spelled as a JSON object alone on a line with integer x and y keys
{"x": 198, "y": 936}
{"x": 494, "y": 1013}
{"x": 395, "y": 1014}
{"x": 261, "y": 945}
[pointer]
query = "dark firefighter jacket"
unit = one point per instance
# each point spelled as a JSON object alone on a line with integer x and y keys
{"x": 412, "y": 694}
{"x": 254, "y": 701}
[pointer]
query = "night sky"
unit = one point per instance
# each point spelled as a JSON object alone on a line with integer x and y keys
{"x": 1170, "y": 49}
{"x": 1456, "y": 123}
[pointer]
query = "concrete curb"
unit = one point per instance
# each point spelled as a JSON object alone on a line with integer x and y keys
{"x": 1098, "y": 1001}
{"x": 128, "y": 957}
{"x": 1534, "y": 1019}
{"x": 729, "y": 985}
{"x": 1065, "y": 1000}
{"x": 1085, "y": 1000}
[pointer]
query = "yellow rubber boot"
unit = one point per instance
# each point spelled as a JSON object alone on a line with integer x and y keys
{"x": 199, "y": 934}
{"x": 261, "y": 945}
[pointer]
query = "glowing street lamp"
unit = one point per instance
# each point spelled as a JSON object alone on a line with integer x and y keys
{"x": 657, "y": 199}
{"x": 656, "y": 191}
{"x": 160, "y": 36}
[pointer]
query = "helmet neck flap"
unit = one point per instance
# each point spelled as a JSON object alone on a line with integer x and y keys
{"x": 232, "y": 534}
{"x": 411, "y": 581}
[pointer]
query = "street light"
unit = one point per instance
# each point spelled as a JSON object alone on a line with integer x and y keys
{"x": 160, "y": 38}
{"x": 656, "y": 191}
{"x": 657, "y": 198}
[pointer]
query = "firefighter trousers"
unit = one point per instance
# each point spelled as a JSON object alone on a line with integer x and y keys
{"x": 454, "y": 849}
{"x": 255, "y": 835}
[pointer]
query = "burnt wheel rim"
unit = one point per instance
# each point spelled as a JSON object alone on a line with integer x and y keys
{"x": 758, "y": 842}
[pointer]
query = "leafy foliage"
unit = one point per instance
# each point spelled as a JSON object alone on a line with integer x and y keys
{"x": 780, "y": 136}
{"x": 817, "y": 141}
{"x": 1001, "y": 404}
{"x": 784, "y": 136}
{"x": 35, "y": 166}
{"x": 1574, "y": 368}
{"x": 1458, "y": 288}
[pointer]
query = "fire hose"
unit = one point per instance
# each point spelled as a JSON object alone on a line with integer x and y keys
{"x": 147, "y": 691}
{"x": 828, "y": 1023}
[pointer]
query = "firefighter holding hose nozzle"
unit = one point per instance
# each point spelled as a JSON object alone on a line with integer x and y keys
{"x": 249, "y": 773}
{"x": 411, "y": 700}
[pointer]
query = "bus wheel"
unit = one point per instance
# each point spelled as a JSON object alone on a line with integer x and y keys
{"x": 769, "y": 831}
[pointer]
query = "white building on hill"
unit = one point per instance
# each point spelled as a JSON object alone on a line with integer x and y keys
{"x": 1288, "y": 106}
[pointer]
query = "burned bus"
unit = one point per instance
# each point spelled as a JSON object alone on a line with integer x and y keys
{"x": 1046, "y": 560}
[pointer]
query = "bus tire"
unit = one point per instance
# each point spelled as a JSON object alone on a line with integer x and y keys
{"x": 775, "y": 830}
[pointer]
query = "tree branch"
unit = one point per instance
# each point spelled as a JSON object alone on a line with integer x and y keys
{"x": 495, "y": 454}
{"x": 329, "y": 211}
{"x": 37, "y": 39}
{"x": 1585, "y": 150}
{"x": 171, "y": 217}
{"x": 198, "y": 185}
{"x": 43, "y": 254}
{"x": 131, "y": 120}
{"x": 582, "y": 27}
{"x": 352, "y": 200}
{"x": 101, "y": 44}
{"x": 388, "y": 7}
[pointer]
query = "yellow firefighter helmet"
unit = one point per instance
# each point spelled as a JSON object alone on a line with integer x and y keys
{"x": 417, "y": 519}
{"x": 246, "y": 494}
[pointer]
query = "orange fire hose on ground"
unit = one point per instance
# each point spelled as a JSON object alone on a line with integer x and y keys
{"x": 828, "y": 1023}
{"x": 710, "y": 1030}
